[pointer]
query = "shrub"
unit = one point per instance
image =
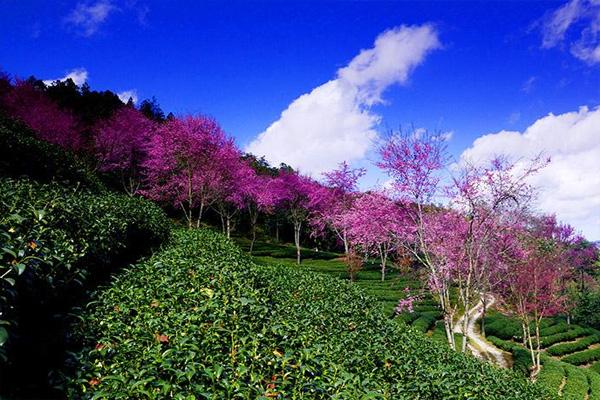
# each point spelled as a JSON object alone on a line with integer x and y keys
{"x": 503, "y": 327}
{"x": 577, "y": 386}
{"x": 556, "y": 328}
{"x": 566, "y": 348}
{"x": 408, "y": 317}
{"x": 199, "y": 320}
{"x": 594, "y": 384}
{"x": 574, "y": 333}
{"x": 425, "y": 321}
{"x": 583, "y": 357}
{"x": 505, "y": 345}
{"x": 552, "y": 375}
{"x": 53, "y": 238}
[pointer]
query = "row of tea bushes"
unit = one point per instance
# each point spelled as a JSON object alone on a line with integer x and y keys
{"x": 560, "y": 378}
{"x": 54, "y": 238}
{"x": 200, "y": 320}
{"x": 562, "y": 349}
{"x": 573, "y": 333}
{"x": 583, "y": 357}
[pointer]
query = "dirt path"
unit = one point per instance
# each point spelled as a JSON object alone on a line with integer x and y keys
{"x": 480, "y": 347}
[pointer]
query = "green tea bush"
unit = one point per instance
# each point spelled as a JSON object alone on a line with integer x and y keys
{"x": 583, "y": 357}
{"x": 408, "y": 317}
{"x": 425, "y": 321}
{"x": 505, "y": 345}
{"x": 556, "y": 328}
{"x": 439, "y": 334}
{"x": 566, "y": 348}
{"x": 574, "y": 333}
{"x": 552, "y": 375}
{"x": 594, "y": 384}
{"x": 577, "y": 385}
{"x": 427, "y": 308}
{"x": 53, "y": 238}
{"x": 199, "y": 320}
{"x": 595, "y": 367}
{"x": 503, "y": 327}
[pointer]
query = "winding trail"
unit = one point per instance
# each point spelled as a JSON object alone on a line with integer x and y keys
{"x": 480, "y": 347}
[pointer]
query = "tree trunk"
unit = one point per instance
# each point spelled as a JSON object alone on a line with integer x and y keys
{"x": 449, "y": 332}
{"x": 345, "y": 240}
{"x": 537, "y": 365}
{"x": 448, "y": 317}
{"x": 188, "y": 215}
{"x": 200, "y": 214}
{"x": 277, "y": 231}
{"x": 383, "y": 254}
{"x": 465, "y": 325}
{"x": 297, "y": 226}
{"x": 253, "y": 221}
{"x": 228, "y": 222}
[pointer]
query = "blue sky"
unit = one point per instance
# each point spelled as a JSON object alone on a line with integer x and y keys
{"x": 497, "y": 66}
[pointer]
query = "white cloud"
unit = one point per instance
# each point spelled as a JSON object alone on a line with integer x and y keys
{"x": 582, "y": 16}
{"x": 88, "y": 17}
{"x": 570, "y": 184}
{"x": 126, "y": 94}
{"x": 79, "y": 76}
{"x": 333, "y": 122}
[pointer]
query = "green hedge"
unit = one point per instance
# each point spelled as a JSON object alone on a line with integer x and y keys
{"x": 200, "y": 320}
{"x": 566, "y": 348}
{"x": 577, "y": 385}
{"x": 583, "y": 357}
{"x": 505, "y": 345}
{"x": 53, "y": 238}
{"x": 556, "y": 328}
{"x": 425, "y": 321}
{"x": 503, "y": 327}
{"x": 552, "y": 375}
{"x": 594, "y": 384}
{"x": 574, "y": 333}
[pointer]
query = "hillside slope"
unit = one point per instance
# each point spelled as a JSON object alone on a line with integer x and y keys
{"x": 200, "y": 320}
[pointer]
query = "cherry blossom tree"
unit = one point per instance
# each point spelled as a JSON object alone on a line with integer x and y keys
{"x": 414, "y": 161}
{"x": 262, "y": 195}
{"x": 51, "y": 123}
{"x": 584, "y": 256}
{"x": 184, "y": 166}
{"x": 490, "y": 199}
{"x": 532, "y": 279}
{"x": 120, "y": 145}
{"x": 297, "y": 199}
{"x": 374, "y": 223}
{"x": 335, "y": 199}
{"x": 234, "y": 186}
